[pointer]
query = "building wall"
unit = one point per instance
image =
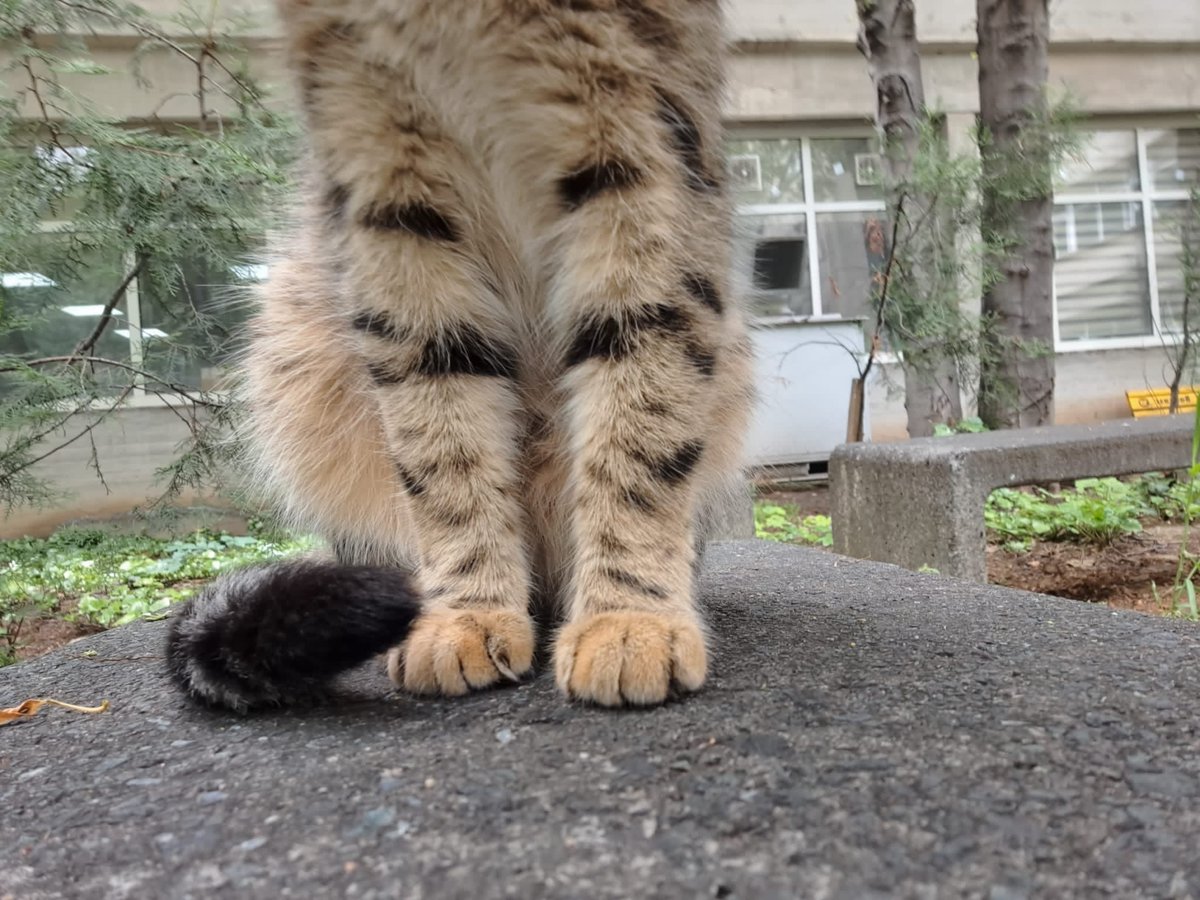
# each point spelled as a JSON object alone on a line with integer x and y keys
{"x": 939, "y": 22}
{"x": 130, "y": 446}
{"x": 797, "y": 59}
{"x": 796, "y": 66}
{"x": 952, "y": 22}
{"x": 1090, "y": 387}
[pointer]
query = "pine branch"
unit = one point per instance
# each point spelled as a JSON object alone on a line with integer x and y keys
{"x": 87, "y": 429}
{"x": 29, "y": 440}
{"x": 169, "y": 386}
{"x": 94, "y": 462}
{"x": 34, "y": 82}
{"x": 85, "y": 346}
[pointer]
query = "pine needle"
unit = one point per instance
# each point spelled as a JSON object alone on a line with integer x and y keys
{"x": 30, "y": 707}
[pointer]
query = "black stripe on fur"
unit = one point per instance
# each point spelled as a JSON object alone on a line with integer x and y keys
{"x": 648, "y": 25}
{"x": 631, "y": 581}
{"x": 276, "y": 634}
{"x": 704, "y": 291}
{"x": 677, "y": 466}
{"x": 594, "y": 179}
{"x": 613, "y": 337}
{"x": 384, "y": 373}
{"x": 465, "y": 350}
{"x": 337, "y": 198}
{"x": 685, "y": 137}
{"x": 421, "y": 219}
{"x": 701, "y": 357}
{"x": 379, "y": 325}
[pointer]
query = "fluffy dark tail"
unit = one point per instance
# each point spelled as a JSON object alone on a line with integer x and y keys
{"x": 275, "y": 634}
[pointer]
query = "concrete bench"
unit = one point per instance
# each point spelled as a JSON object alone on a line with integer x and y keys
{"x": 920, "y": 503}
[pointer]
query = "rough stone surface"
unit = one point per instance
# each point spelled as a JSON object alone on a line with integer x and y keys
{"x": 867, "y": 733}
{"x": 920, "y": 503}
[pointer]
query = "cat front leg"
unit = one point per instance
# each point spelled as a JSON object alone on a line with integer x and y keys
{"x": 427, "y": 287}
{"x": 656, "y": 371}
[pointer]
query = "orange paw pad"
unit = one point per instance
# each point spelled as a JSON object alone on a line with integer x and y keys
{"x": 450, "y": 652}
{"x": 629, "y": 658}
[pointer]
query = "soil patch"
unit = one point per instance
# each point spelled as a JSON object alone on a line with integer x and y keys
{"x": 810, "y": 501}
{"x": 41, "y": 633}
{"x": 1121, "y": 574}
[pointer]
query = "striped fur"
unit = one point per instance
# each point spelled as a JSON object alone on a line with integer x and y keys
{"x": 502, "y": 347}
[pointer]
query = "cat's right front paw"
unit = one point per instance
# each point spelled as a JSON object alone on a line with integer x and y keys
{"x": 450, "y": 652}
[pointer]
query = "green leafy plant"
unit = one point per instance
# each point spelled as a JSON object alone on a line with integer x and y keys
{"x": 774, "y": 522}
{"x": 1172, "y": 499}
{"x": 1097, "y": 510}
{"x": 969, "y": 425}
{"x": 90, "y": 576}
{"x": 10, "y": 636}
{"x": 1181, "y": 596}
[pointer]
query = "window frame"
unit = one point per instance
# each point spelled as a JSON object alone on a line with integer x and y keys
{"x": 809, "y": 207}
{"x": 139, "y": 396}
{"x": 1146, "y": 197}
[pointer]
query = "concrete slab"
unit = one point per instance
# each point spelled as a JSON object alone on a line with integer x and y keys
{"x": 920, "y": 503}
{"x": 867, "y": 733}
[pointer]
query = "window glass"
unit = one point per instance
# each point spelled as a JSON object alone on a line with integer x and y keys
{"x": 1170, "y": 221}
{"x": 191, "y": 330}
{"x": 766, "y": 171}
{"x": 1102, "y": 278}
{"x": 57, "y": 300}
{"x": 852, "y": 249}
{"x": 1106, "y": 164}
{"x": 1100, "y": 273}
{"x": 1174, "y": 158}
{"x": 846, "y": 170}
{"x": 773, "y": 250}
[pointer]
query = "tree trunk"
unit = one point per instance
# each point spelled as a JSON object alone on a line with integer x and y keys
{"x": 888, "y": 40}
{"x": 1016, "y": 386}
{"x": 1180, "y": 357}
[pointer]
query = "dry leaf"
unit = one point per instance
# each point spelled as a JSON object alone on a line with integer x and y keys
{"x": 30, "y": 708}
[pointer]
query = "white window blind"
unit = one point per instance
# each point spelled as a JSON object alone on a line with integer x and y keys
{"x": 1116, "y": 234}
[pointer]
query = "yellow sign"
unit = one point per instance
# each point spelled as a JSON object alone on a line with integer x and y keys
{"x": 1158, "y": 402}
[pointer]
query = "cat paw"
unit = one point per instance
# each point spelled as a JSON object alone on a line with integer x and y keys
{"x": 450, "y": 652}
{"x": 629, "y": 658}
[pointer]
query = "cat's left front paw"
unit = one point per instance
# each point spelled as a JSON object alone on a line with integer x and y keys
{"x": 629, "y": 657}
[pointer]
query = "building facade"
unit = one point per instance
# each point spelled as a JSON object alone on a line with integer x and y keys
{"x": 799, "y": 115}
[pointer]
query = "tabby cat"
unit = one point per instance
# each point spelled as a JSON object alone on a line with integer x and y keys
{"x": 499, "y": 361}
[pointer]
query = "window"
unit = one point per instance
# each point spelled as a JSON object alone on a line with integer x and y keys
{"x": 810, "y": 223}
{"x": 52, "y": 322}
{"x": 812, "y": 232}
{"x": 776, "y": 251}
{"x": 1116, "y": 234}
{"x": 169, "y": 333}
{"x": 190, "y": 330}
